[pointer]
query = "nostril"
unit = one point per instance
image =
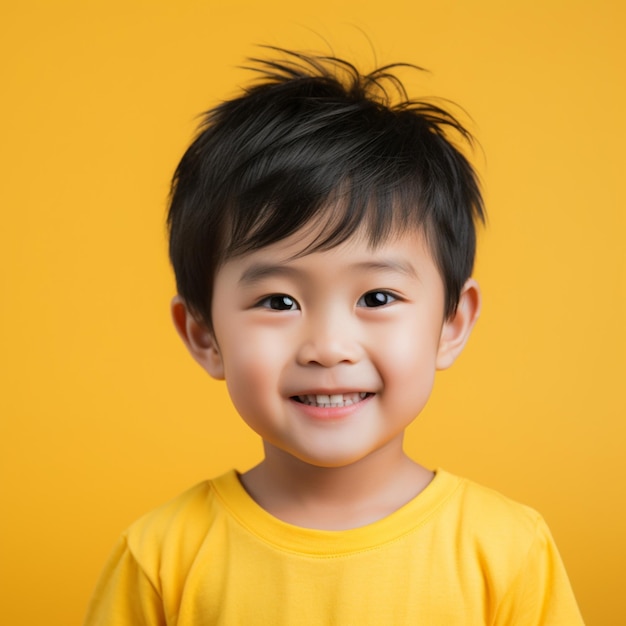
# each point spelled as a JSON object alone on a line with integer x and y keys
{"x": 328, "y": 353}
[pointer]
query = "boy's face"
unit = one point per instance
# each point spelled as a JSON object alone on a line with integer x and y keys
{"x": 329, "y": 356}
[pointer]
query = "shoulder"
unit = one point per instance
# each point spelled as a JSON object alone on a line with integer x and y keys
{"x": 504, "y": 548}
{"x": 489, "y": 525}
{"x": 482, "y": 508}
{"x": 172, "y": 534}
{"x": 178, "y": 510}
{"x": 495, "y": 529}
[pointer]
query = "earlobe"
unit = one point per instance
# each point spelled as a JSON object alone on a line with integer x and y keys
{"x": 198, "y": 338}
{"x": 457, "y": 329}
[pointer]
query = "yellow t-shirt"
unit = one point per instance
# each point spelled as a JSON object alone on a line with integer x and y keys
{"x": 457, "y": 554}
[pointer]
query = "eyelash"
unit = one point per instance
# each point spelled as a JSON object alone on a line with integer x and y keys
{"x": 278, "y": 299}
{"x": 388, "y": 298}
{"x": 283, "y": 302}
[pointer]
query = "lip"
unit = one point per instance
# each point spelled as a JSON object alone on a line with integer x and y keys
{"x": 327, "y": 391}
{"x": 329, "y": 413}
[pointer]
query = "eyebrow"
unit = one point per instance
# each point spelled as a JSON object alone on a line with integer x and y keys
{"x": 386, "y": 265}
{"x": 260, "y": 271}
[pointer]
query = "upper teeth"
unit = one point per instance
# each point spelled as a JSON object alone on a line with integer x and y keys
{"x": 334, "y": 400}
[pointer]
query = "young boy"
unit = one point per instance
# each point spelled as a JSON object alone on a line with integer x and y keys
{"x": 323, "y": 240}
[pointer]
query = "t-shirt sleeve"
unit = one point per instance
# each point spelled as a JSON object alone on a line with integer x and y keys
{"x": 540, "y": 594}
{"x": 124, "y": 595}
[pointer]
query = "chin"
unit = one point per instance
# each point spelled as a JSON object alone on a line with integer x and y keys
{"x": 330, "y": 460}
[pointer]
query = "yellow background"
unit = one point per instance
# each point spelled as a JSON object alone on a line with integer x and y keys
{"x": 104, "y": 415}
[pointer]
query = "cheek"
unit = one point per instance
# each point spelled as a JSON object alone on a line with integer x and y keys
{"x": 252, "y": 370}
{"x": 245, "y": 374}
{"x": 408, "y": 363}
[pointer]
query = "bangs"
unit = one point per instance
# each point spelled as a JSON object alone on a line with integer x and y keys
{"x": 376, "y": 212}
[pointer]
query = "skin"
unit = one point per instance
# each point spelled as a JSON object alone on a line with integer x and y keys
{"x": 291, "y": 327}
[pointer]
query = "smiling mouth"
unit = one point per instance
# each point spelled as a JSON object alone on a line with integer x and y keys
{"x": 332, "y": 401}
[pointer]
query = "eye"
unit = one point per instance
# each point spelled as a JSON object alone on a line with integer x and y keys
{"x": 376, "y": 298}
{"x": 278, "y": 302}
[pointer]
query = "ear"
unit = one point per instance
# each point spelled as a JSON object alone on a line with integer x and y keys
{"x": 457, "y": 328}
{"x": 198, "y": 338}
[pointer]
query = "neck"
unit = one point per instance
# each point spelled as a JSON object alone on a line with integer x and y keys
{"x": 335, "y": 498}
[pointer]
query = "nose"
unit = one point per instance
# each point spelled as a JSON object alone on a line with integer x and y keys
{"x": 329, "y": 338}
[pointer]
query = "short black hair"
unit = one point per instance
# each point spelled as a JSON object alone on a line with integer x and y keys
{"x": 313, "y": 134}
